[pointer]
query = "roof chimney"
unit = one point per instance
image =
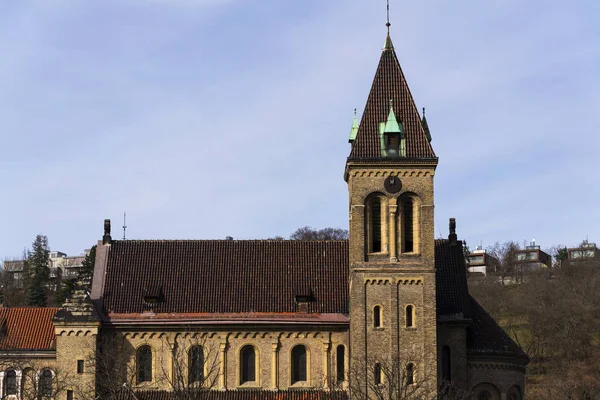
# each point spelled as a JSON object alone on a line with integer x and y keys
{"x": 106, "y": 239}
{"x": 452, "y": 238}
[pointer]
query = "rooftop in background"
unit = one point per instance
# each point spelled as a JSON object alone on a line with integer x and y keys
{"x": 585, "y": 252}
{"x": 27, "y": 329}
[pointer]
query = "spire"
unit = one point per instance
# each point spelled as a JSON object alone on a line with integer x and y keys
{"x": 426, "y": 126}
{"x": 388, "y": 40}
{"x": 354, "y": 129}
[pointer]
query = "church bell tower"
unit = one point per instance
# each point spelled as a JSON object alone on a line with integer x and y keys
{"x": 390, "y": 173}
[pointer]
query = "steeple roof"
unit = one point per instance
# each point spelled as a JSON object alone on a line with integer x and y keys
{"x": 390, "y": 84}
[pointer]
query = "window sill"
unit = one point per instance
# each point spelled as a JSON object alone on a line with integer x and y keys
{"x": 378, "y": 328}
{"x": 249, "y": 385}
{"x": 410, "y": 328}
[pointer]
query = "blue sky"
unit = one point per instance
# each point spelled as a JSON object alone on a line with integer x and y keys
{"x": 208, "y": 118}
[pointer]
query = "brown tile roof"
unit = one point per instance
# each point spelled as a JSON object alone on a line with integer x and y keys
{"x": 242, "y": 395}
{"x": 390, "y": 83}
{"x": 226, "y": 276}
{"x": 27, "y": 328}
{"x": 485, "y": 336}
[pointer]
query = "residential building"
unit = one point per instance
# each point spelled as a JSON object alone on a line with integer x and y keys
{"x": 481, "y": 262}
{"x": 586, "y": 252}
{"x": 532, "y": 258}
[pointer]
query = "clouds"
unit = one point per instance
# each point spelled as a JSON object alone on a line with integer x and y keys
{"x": 203, "y": 119}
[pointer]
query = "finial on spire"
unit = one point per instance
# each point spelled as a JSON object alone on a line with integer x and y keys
{"x": 355, "y": 111}
{"x": 423, "y": 112}
{"x": 388, "y": 24}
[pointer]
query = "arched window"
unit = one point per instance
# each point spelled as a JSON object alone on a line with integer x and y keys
{"x": 377, "y": 317}
{"x": 299, "y": 364}
{"x": 144, "y": 364}
{"x": 410, "y": 374}
{"x": 248, "y": 364}
{"x": 10, "y": 382}
{"x": 375, "y": 225}
{"x": 196, "y": 364}
{"x": 485, "y": 395}
{"x": 46, "y": 383}
{"x": 377, "y": 374}
{"x": 408, "y": 243}
{"x": 446, "y": 364}
{"x": 514, "y": 393}
{"x": 409, "y": 317}
{"x": 486, "y": 391}
{"x": 341, "y": 363}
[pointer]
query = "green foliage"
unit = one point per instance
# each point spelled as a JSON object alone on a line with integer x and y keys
{"x": 39, "y": 272}
{"x": 64, "y": 291}
{"x": 308, "y": 233}
{"x": 87, "y": 270}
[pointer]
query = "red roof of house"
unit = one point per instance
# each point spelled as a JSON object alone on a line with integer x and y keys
{"x": 27, "y": 328}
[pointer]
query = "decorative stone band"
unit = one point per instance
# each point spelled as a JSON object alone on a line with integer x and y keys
{"x": 398, "y": 281}
{"x": 496, "y": 366}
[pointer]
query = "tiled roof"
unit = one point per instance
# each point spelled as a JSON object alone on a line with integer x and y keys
{"x": 226, "y": 276}
{"x": 242, "y": 395}
{"x": 451, "y": 278}
{"x": 27, "y": 328}
{"x": 485, "y": 336}
{"x": 390, "y": 84}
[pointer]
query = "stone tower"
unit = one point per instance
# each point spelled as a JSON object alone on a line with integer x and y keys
{"x": 390, "y": 174}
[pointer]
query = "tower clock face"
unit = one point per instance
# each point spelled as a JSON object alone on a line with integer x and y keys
{"x": 392, "y": 184}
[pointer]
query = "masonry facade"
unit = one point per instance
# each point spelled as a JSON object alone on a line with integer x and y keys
{"x": 384, "y": 314}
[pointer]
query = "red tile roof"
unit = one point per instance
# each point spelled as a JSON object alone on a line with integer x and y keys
{"x": 27, "y": 328}
{"x": 390, "y": 84}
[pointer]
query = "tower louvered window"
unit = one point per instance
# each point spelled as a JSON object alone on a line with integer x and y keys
{"x": 408, "y": 225}
{"x": 376, "y": 225}
{"x": 341, "y": 363}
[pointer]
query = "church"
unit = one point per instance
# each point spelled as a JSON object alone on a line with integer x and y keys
{"x": 385, "y": 314}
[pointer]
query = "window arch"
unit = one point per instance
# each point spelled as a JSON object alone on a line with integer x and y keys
{"x": 196, "y": 364}
{"x": 46, "y": 383}
{"x": 377, "y": 317}
{"x": 375, "y": 224}
{"x": 486, "y": 391}
{"x": 446, "y": 364}
{"x": 299, "y": 364}
{"x": 247, "y": 364}
{"x": 409, "y": 316}
{"x": 410, "y": 374}
{"x": 377, "y": 374}
{"x": 514, "y": 393}
{"x": 10, "y": 382}
{"x": 409, "y": 224}
{"x": 341, "y": 363}
{"x": 144, "y": 364}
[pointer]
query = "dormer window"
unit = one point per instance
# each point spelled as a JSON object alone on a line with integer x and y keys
{"x": 393, "y": 136}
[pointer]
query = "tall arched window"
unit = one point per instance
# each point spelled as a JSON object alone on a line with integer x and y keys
{"x": 377, "y": 317}
{"x": 446, "y": 364}
{"x": 375, "y": 225}
{"x": 341, "y": 363}
{"x": 514, "y": 393}
{"x": 144, "y": 364}
{"x": 248, "y": 364}
{"x": 408, "y": 244}
{"x": 410, "y": 374}
{"x": 46, "y": 383}
{"x": 196, "y": 364}
{"x": 299, "y": 364}
{"x": 10, "y": 382}
{"x": 409, "y": 317}
{"x": 377, "y": 374}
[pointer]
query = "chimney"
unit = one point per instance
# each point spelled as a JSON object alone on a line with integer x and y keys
{"x": 452, "y": 238}
{"x": 106, "y": 239}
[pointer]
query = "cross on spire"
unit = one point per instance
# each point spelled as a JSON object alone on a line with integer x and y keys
{"x": 388, "y": 24}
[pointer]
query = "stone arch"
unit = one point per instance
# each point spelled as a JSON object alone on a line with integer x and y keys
{"x": 486, "y": 391}
{"x": 514, "y": 393}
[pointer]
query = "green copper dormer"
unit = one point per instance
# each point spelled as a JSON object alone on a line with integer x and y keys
{"x": 392, "y": 136}
{"x": 354, "y": 129}
{"x": 426, "y": 126}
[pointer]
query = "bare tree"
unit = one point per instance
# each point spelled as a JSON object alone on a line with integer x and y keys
{"x": 195, "y": 365}
{"x": 308, "y": 233}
